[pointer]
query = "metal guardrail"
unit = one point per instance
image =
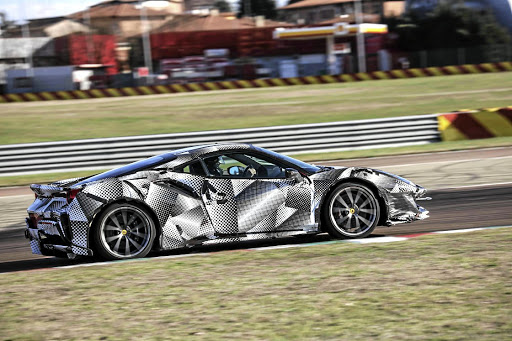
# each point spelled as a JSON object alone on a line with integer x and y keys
{"x": 104, "y": 153}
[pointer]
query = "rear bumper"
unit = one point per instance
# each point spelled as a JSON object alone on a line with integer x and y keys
{"x": 48, "y": 239}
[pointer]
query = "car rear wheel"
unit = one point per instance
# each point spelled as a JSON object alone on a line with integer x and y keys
{"x": 351, "y": 211}
{"x": 123, "y": 231}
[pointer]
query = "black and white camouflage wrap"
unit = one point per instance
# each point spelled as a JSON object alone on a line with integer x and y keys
{"x": 195, "y": 210}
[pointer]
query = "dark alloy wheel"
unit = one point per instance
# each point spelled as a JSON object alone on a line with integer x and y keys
{"x": 123, "y": 231}
{"x": 351, "y": 211}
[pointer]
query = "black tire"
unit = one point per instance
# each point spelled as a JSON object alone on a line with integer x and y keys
{"x": 123, "y": 231}
{"x": 351, "y": 210}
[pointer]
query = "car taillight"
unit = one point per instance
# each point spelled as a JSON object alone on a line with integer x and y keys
{"x": 33, "y": 220}
{"x": 72, "y": 194}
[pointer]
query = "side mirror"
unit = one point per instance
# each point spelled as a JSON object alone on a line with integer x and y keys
{"x": 234, "y": 170}
{"x": 294, "y": 175}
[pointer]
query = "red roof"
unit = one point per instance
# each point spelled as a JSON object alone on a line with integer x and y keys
{"x": 313, "y": 3}
{"x": 189, "y": 22}
{"x": 116, "y": 9}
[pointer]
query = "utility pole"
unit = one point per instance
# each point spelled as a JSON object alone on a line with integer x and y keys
{"x": 89, "y": 44}
{"x": 361, "y": 56}
{"x": 25, "y": 31}
{"x": 145, "y": 41}
{"x": 30, "y": 60}
{"x": 248, "y": 8}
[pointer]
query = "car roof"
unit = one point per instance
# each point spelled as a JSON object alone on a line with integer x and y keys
{"x": 212, "y": 147}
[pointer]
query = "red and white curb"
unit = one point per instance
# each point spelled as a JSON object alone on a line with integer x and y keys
{"x": 376, "y": 240}
{"x": 370, "y": 240}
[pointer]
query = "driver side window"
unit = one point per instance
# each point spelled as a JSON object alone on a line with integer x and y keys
{"x": 219, "y": 165}
{"x": 194, "y": 168}
{"x": 238, "y": 165}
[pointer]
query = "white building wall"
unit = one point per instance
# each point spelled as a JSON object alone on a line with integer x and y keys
{"x": 55, "y": 78}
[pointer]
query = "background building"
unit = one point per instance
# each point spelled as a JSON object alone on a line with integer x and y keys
{"x": 315, "y": 11}
{"x": 122, "y": 18}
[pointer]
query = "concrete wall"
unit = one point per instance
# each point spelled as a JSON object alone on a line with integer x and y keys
{"x": 15, "y": 48}
{"x": 56, "y": 78}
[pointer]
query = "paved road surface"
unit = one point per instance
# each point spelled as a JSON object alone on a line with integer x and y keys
{"x": 451, "y": 208}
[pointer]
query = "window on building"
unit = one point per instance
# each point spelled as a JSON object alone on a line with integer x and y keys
{"x": 326, "y": 14}
{"x": 22, "y": 82}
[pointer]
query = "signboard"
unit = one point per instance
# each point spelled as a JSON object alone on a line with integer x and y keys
{"x": 143, "y": 72}
{"x": 342, "y": 48}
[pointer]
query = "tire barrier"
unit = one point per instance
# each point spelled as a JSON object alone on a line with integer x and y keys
{"x": 257, "y": 83}
{"x": 476, "y": 124}
{"x": 46, "y": 157}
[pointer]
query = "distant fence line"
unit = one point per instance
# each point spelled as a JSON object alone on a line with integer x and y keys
{"x": 257, "y": 83}
{"x": 46, "y": 157}
{"x": 103, "y": 153}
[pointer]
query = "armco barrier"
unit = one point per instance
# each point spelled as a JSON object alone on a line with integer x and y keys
{"x": 476, "y": 124}
{"x": 257, "y": 83}
{"x": 322, "y": 137}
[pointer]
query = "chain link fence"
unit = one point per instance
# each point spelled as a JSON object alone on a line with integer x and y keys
{"x": 460, "y": 56}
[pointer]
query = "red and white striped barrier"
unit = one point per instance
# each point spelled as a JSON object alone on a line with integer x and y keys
{"x": 258, "y": 83}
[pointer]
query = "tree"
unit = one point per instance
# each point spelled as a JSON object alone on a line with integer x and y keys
{"x": 3, "y": 21}
{"x": 222, "y": 6}
{"x": 252, "y": 8}
{"x": 293, "y": 1}
{"x": 448, "y": 26}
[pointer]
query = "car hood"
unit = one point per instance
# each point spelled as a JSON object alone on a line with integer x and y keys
{"x": 382, "y": 179}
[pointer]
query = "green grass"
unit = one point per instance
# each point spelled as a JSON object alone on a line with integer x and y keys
{"x": 68, "y": 120}
{"x": 21, "y": 180}
{"x": 443, "y": 287}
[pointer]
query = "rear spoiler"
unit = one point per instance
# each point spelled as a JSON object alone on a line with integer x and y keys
{"x": 46, "y": 190}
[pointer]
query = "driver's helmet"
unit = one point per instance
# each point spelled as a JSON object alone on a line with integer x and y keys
{"x": 213, "y": 164}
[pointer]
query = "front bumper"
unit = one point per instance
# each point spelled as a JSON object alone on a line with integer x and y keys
{"x": 403, "y": 207}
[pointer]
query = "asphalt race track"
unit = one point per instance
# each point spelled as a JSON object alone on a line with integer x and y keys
{"x": 468, "y": 189}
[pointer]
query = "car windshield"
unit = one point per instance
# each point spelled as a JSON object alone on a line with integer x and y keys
{"x": 132, "y": 167}
{"x": 303, "y": 165}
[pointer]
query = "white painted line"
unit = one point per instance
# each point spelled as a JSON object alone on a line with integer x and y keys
{"x": 245, "y": 105}
{"x": 17, "y": 196}
{"x": 447, "y": 161}
{"x": 418, "y": 154}
{"x": 277, "y": 247}
{"x": 440, "y": 162}
{"x": 128, "y": 261}
{"x": 460, "y": 231}
{"x": 389, "y": 239}
{"x": 457, "y": 92}
{"x": 473, "y": 186}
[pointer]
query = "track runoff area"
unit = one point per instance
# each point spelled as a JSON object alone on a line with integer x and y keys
{"x": 374, "y": 240}
{"x": 470, "y": 189}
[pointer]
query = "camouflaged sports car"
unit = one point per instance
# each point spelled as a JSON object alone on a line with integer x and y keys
{"x": 213, "y": 194}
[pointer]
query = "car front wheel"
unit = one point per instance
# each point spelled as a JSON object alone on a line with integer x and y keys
{"x": 351, "y": 211}
{"x": 123, "y": 231}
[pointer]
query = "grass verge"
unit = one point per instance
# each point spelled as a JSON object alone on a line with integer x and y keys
{"x": 21, "y": 180}
{"x": 449, "y": 287}
{"x": 69, "y": 120}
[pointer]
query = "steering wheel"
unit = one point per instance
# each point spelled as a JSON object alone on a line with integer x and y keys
{"x": 249, "y": 171}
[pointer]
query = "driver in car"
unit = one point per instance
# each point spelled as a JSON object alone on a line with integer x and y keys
{"x": 213, "y": 165}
